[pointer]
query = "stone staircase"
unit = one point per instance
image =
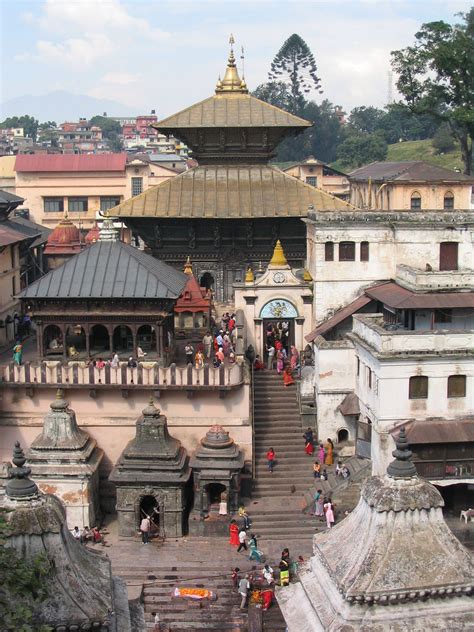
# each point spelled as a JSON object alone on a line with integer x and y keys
{"x": 278, "y": 500}
{"x": 192, "y": 562}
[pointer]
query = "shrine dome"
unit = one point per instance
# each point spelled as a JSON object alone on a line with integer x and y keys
{"x": 65, "y": 239}
{"x": 93, "y": 235}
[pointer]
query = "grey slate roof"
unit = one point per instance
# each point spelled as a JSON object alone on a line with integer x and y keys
{"x": 31, "y": 229}
{"x": 109, "y": 270}
{"x": 10, "y": 198}
{"x": 408, "y": 171}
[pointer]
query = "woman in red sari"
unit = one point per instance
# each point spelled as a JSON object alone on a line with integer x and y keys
{"x": 234, "y": 533}
{"x": 287, "y": 376}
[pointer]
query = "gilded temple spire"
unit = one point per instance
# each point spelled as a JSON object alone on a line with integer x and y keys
{"x": 231, "y": 81}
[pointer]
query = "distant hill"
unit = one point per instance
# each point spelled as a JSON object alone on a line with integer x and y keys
{"x": 423, "y": 150}
{"x": 61, "y": 106}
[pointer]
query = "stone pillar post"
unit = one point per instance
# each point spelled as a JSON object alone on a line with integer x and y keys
{"x": 110, "y": 329}
{"x": 87, "y": 331}
{"x": 159, "y": 338}
{"x": 134, "y": 340}
{"x": 63, "y": 329}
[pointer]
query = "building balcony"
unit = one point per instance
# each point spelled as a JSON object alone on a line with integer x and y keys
{"x": 436, "y": 280}
{"x": 443, "y": 469}
{"x": 369, "y": 330}
{"x": 147, "y": 375}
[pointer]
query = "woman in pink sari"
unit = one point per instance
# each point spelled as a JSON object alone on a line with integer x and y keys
{"x": 280, "y": 362}
{"x": 294, "y": 357}
{"x": 321, "y": 453}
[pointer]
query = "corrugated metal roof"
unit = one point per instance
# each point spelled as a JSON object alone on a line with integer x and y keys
{"x": 70, "y": 162}
{"x": 398, "y": 297}
{"x": 231, "y": 110}
{"x": 10, "y": 198}
{"x": 237, "y": 191}
{"x": 438, "y": 431}
{"x": 109, "y": 270}
{"x": 338, "y": 317}
{"x": 407, "y": 171}
{"x": 10, "y": 235}
{"x": 26, "y": 225}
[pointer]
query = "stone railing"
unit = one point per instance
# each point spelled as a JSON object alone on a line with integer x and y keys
{"x": 368, "y": 328}
{"x": 415, "y": 279}
{"x": 146, "y": 375}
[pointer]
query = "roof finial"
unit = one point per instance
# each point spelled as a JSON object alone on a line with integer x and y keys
{"x": 403, "y": 466}
{"x": 188, "y": 266}
{"x": 19, "y": 486}
{"x": 278, "y": 258}
{"x": 231, "y": 81}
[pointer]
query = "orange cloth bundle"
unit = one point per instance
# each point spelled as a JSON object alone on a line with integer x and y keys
{"x": 193, "y": 593}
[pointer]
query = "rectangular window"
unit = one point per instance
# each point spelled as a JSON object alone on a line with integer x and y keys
{"x": 418, "y": 388}
{"x": 347, "y": 251}
{"x": 312, "y": 180}
{"x": 77, "y": 204}
{"x": 443, "y": 316}
{"x": 457, "y": 386}
{"x": 369, "y": 378}
{"x": 137, "y": 186}
{"x": 107, "y": 203}
{"x": 358, "y": 365}
{"x": 364, "y": 250}
{"x": 329, "y": 251}
{"x": 53, "y": 204}
{"x": 14, "y": 285}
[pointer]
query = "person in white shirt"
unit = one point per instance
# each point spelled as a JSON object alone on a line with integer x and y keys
{"x": 76, "y": 533}
{"x": 140, "y": 353}
{"x": 115, "y": 361}
{"x": 242, "y": 542}
{"x": 244, "y": 587}
{"x": 145, "y": 526}
{"x": 268, "y": 574}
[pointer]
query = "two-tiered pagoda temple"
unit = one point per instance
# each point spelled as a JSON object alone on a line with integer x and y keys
{"x": 228, "y": 212}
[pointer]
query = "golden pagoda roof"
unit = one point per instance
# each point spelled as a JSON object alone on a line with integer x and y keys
{"x": 278, "y": 258}
{"x": 231, "y": 106}
{"x": 230, "y": 192}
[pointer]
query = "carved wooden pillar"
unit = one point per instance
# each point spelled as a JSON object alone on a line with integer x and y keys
{"x": 110, "y": 329}
{"x": 63, "y": 329}
{"x": 159, "y": 338}
{"x": 88, "y": 342}
{"x": 134, "y": 339}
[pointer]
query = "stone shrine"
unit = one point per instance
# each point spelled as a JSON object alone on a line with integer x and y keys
{"x": 392, "y": 565}
{"x": 216, "y": 465}
{"x": 65, "y": 461}
{"x": 82, "y": 592}
{"x": 151, "y": 476}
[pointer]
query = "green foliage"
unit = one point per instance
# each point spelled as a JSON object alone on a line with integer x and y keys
{"x": 436, "y": 77}
{"x": 23, "y": 584}
{"x": 423, "y": 150}
{"x": 359, "y": 149}
{"x": 443, "y": 140}
{"x": 366, "y": 119}
{"x": 111, "y": 130}
{"x": 28, "y": 123}
{"x": 295, "y": 66}
{"x": 274, "y": 92}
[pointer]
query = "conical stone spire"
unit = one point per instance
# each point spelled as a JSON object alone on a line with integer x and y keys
{"x": 20, "y": 486}
{"x": 402, "y": 466}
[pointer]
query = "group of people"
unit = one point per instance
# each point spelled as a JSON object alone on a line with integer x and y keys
{"x": 324, "y": 508}
{"x": 218, "y": 346}
{"x": 87, "y": 535}
{"x": 287, "y": 362}
{"x": 239, "y": 538}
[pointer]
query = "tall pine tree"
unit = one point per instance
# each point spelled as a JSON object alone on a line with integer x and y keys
{"x": 294, "y": 65}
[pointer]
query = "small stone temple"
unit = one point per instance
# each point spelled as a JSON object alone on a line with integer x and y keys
{"x": 192, "y": 312}
{"x": 82, "y": 592}
{"x": 109, "y": 298}
{"x": 64, "y": 242}
{"x": 151, "y": 477}
{"x": 65, "y": 461}
{"x": 392, "y": 565}
{"x": 216, "y": 465}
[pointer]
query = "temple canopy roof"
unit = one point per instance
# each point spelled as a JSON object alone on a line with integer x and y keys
{"x": 109, "y": 270}
{"x": 193, "y": 297}
{"x": 230, "y": 192}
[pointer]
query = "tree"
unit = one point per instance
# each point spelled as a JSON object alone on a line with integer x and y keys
{"x": 275, "y": 93}
{"x": 111, "y": 130}
{"x": 295, "y": 66}
{"x": 359, "y": 149}
{"x": 401, "y": 123}
{"x": 443, "y": 140}
{"x": 28, "y": 123}
{"x": 365, "y": 119}
{"x": 23, "y": 584}
{"x": 436, "y": 77}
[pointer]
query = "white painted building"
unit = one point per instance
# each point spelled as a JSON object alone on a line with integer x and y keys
{"x": 349, "y": 251}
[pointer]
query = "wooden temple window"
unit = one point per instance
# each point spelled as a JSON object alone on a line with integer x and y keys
{"x": 457, "y": 386}
{"x": 448, "y": 201}
{"x": 347, "y": 251}
{"x": 364, "y": 250}
{"x": 415, "y": 201}
{"x": 418, "y": 388}
{"x": 329, "y": 251}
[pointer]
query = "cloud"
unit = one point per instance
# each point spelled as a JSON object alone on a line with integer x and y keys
{"x": 120, "y": 78}
{"x": 95, "y": 16}
{"x": 77, "y": 52}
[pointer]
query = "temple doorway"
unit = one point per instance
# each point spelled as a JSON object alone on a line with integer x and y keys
{"x": 207, "y": 281}
{"x": 99, "y": 339}
{"x": 146, "y": 338}
{"x": 123, "y": 339}
{"x": 277, "y": 329}
{"x": 342, "y": 435}
{"x": 149, "y": 509}
{"x": 214, "y": 491}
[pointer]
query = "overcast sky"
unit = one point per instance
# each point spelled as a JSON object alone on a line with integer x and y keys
{"x": 167, "y": 55}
